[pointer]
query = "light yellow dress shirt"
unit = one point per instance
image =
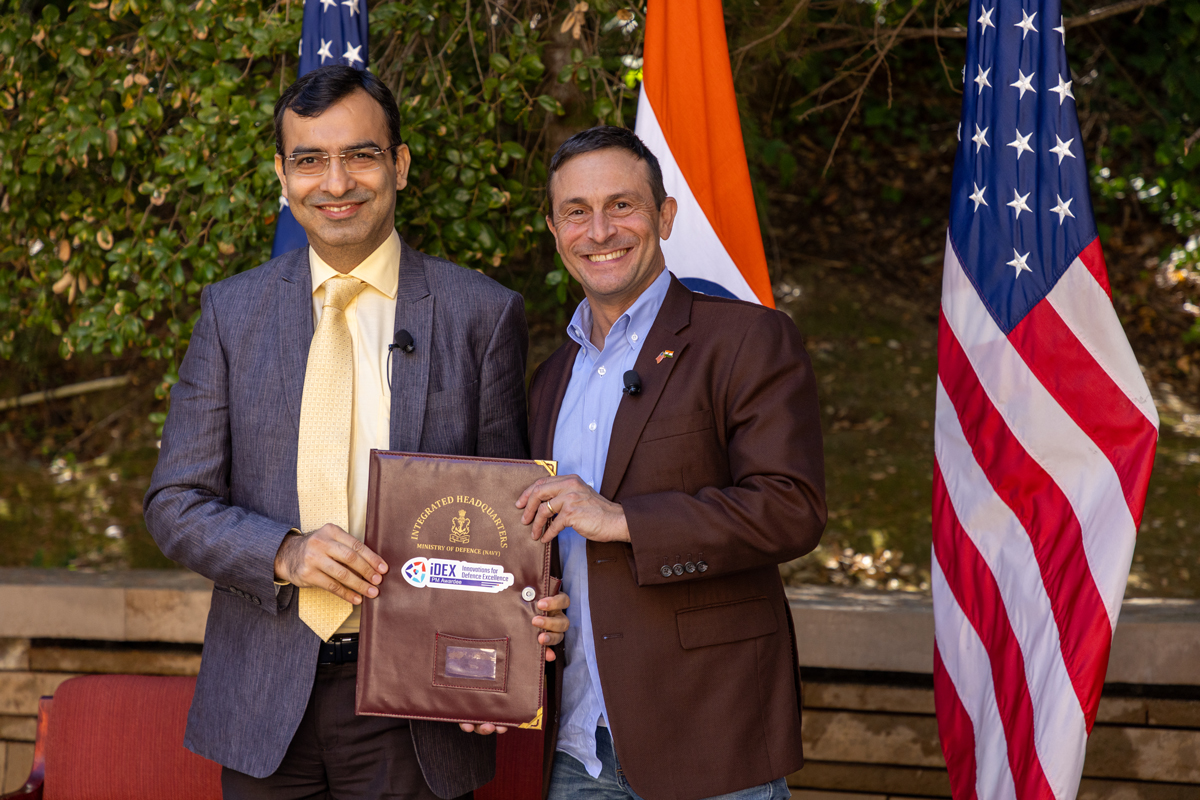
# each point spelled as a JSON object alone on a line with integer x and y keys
{"x": 371, "y": 317}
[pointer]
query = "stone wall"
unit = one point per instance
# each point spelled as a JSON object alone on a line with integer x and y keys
{"x": 869, "y": 726}
{"x": 55, "y": 624}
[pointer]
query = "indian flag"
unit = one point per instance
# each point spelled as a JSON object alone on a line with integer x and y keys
{"x": 687, "y": 115}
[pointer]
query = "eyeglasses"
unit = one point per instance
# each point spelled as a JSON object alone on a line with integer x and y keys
{"x": 314, "y": 163}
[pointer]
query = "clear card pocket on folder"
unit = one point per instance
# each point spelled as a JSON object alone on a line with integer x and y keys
{"x": 479, "y": 664}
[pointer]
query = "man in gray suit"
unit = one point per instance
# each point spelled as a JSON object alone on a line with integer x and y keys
{"x": 274, "y": 703}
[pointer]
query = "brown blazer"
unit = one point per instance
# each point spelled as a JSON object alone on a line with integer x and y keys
{"x": 718, "y": 465}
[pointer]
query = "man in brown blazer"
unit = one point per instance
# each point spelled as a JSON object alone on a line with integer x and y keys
{"x": 687, "y": 433}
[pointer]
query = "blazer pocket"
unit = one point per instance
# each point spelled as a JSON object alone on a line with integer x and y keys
{"x": 725, "y": 622}
{"x": 667, "y": 427}
{"x": 453, "y": 396}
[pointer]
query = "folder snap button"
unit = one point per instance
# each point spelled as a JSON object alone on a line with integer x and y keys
{"x": 528, "y": 593}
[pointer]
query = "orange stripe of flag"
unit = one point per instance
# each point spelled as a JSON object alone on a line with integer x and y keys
{"x": 689, "y": 83}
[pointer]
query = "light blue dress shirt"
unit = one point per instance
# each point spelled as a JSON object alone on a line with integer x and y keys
{"x": 581, "y": 448}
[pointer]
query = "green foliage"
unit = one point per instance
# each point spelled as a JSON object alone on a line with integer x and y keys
{"x": 1143, "y": 92}
{"x": 133, "y": 170}
{"x": 467, "y": 114}
{"x": 136, "y": 150}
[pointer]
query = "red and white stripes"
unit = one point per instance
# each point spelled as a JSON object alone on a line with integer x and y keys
{"x": 1044, "y": 443}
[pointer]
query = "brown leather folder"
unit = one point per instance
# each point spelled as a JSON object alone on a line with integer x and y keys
{"x": 450, "y": 636}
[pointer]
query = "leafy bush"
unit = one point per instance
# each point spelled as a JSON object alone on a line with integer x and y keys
{"x": 1144, "y": 91}
{"x": 133, "y": 170}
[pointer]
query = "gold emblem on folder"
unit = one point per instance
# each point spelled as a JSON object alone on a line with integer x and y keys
{"x": 460, "y": 528}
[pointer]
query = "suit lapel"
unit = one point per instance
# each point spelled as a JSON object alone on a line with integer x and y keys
{"x": 557, "y": 376}
{"x": 295, "y": 327}
{"x": 632, "y": 414}
{"x": 410, "y": 371}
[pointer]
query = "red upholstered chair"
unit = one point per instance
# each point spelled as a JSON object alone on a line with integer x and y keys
{"x": 120, "y": 737}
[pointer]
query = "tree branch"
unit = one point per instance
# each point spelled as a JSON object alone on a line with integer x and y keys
{"x": 1191, "y": 140}
{"x": 1104, "y": 12}
{"x": 858, "y": 94}
{"x": 799, "y": 5}
{"x": 65, "y": 391}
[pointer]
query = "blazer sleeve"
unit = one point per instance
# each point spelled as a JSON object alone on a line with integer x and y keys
{"x": 773, "y": 510}
{"x": 503, "y": 431}
{"x": 187, "y": 507}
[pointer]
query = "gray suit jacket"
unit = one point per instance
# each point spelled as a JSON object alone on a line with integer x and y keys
{"x": 223, "y": 494}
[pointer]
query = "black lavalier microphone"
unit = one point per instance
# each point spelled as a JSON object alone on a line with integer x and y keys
{"x": 403, "y": 340}
{"x": 633, "y": 383}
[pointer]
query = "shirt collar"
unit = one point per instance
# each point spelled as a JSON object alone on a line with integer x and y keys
{"x": 633, "y": 325}
{"x": 380, "y": 270}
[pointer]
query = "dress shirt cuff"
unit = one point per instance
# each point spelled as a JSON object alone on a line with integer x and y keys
{"x": 278, "y": 583}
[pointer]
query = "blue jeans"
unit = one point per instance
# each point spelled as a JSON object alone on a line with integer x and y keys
{"x": 570, "y": 779}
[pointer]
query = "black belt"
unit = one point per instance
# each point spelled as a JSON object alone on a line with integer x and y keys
{"x": 341, "y": 649}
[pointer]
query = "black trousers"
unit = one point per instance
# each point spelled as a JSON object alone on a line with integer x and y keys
{"x": 336, "y": 755}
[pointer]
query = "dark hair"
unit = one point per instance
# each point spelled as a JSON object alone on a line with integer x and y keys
{"x": 312, "y": 94}
{"x": 603, "y": 137}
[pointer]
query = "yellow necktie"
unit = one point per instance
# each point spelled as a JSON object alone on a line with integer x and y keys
{"x": 323, "y": 455}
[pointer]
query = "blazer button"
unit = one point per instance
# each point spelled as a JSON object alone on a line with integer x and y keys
{"x": 689, "y": 567}
{"x": 666, "y": 571}
{"x": 257, "y": 602}
{"x": 678, "y": 569}
{"x": 702, "y": 566}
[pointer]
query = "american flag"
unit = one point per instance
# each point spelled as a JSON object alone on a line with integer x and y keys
{"x": 1045, "y": 429}
{"x": 334, "y": 32}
